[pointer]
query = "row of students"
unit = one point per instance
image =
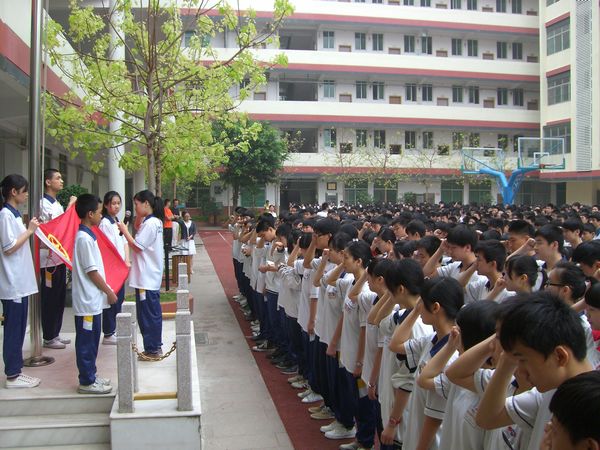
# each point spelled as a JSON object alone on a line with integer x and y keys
{"x": 95, "y": 306}
{"x": 393, "y": 331}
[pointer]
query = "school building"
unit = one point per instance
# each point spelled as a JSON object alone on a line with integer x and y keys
{"x": 385, "y": 93}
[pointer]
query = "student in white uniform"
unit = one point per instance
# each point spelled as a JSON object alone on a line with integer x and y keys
{"x": 17, "y": 278}
{"x": 108, "y": 225}
{"x": 523, "y": 275}
{"x": 491, "y": 257}
{"x": 91, "y": 295}
{"x": 592, "y": 303}
{"x": 442, "y": 298}
{"x": 188, "y": 232}
{"x": 474, "y": 323}
{"x": 544, "y": 339}
{"x": 53, "y": 272}
{"x": 147, "y": 265}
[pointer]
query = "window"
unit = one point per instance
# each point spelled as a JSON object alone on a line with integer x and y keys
{"x": 409, "y": 44}
{"x": 426, "y": 3}
{"x": 385, "y": 191}
{"x": 411, "y": 92}
{"x": 518, "y": 97}
{"x": 187, "y": 37}
{"x": 379, "y": 138}
{"x": 516, "y": 142}
{"x": 517, "y": 50}
{"x": 501, "y": 6}
{"x": 410, "y": 139}
{"x": 361, "y": 138}
{"x": 502, "y": 96}
{"x": 481, "y": 192}
{"x": 409, "y": 2}
{"x": 452, "y": 191}
{"x": 377, "y": 90}
{"x": 377, "y": 42}
{"x": 360, "y": 41}
{"x": 427, "y": 45}
{"x": 517, "y": 7}
{"x": 559, "y": 88}
{"x": 329, "y": 138}
{"x": 472, "y": 5}
{"x": 427, "y": 139}
{"x": 562, "y": 130}
{"x": 457, "y": 94}
{"x": 328, "y": 39}
{"x": 356, "y": 191}
{"x": 474, "y": 140}
{"x": 457, "y": 47}
{"x": 550, "y": 2}
{"x": 328, "y": 89}
{"x": 501, "y": 50}
{"x": 427, "y": 93}
{"x": 472, "y": 47}
{"x": 380, "y": 2}
{"x": 455, "y": 4}
{"x": 502, "y": 141}
{"x": 48, "y": 158}
{"x": 557, "y": 37}
{"x": 361, "y": 89}
{"x": 395, "y": 149}
{"x": 457, "y": 140}
{"x": 474, "y": 94}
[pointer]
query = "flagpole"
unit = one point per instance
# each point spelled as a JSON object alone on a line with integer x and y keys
{"x": 35, "y": 176}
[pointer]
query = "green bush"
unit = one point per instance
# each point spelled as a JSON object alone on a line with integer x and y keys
{"x": 68, "y": 191}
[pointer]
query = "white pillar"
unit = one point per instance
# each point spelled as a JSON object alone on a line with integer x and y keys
{"x": 139, "y": 181}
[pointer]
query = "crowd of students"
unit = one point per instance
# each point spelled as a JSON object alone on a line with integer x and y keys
{"x": 431, "y": 326}
{"x": 95, "y": 305}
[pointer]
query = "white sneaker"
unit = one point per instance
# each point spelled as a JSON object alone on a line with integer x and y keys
{"x": 341, "y": 433}
{"x": 351, "y": 446}
{"x": 109, "y": 340}
{"x": 95, "y": 388}
{"x": 312, "y": 398}
{"x": 302, "y": 384}
{"x": 305, "y": 393}
{"x": 295, "y": 379}
{"x": 54, "y": 343}
{"x": 63, "y": 340}
{"x": 104, "y": 381}
{"x": 331, "y": 426}
{"x": 23, "y": 381}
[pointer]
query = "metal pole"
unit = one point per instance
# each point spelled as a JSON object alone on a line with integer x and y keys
{"x": 35, "y": 176}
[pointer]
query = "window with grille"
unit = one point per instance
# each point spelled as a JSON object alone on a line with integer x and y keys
{"x": 328, "y": 39}
{"x": 557, "y": 37}
{"x": 559, "y": 88}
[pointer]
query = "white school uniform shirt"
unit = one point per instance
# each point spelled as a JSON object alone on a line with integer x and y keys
{"x": 290, "y": 290}
{"x": 246, "y": 262}
{"x": 530, "y": 412}
{"x": 322, "y": 310}
{"x": 422, "y": 402}
{"x": 389, "y": 366}
{"x": 452, "y": 270}
{"x": 592, "y": 350}
{"x": 307, "y": 292}
{"x": 88, "y": 300}
{"x": 108, "y": 226}
{"x": 50, "y": 208}
{"x": 260, "y": 255}
{"x": 355, "y": 316}
{"x": 371, "y": 335}
{"x": 273, "y": 279}
{"x": 148, "y": 264}
{"x": 479, "y": 289}
{"x": 17, "y": 274}
{"x": 236, "y": 245}
{"x": 333, "y": 304}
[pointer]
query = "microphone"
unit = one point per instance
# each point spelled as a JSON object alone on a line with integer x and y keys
{"x": 126, "y": 220}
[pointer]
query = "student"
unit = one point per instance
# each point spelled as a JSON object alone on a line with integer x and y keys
{"x": 587, "y": 255}
{"x": 592, "y": 303}
{"x": 519, "y": 232}
{"x": 442, "y": 298}
{"x": 588, "y": 233}
{"x": 188, "y": 232}
{"x": 110, "y": 208}
{"x": 572, "y": 230}
{"x": 474, "y": 323}
{"x": 549, "y": 243}
{"x": 17, "y": 278}
{"x": 90, "y": 295}
{"x": 523, "y": 275}
{"x": 53, "y": 272}
{"x": 383, "y": 244}
{"x": 147, "y": 265}
{"x": 415, "y": 230}
{"x": 575, "y": 409}
{"x": 426, "y": 247}
{"x": 168, "y": 224}
{"x": 543, "y": 338}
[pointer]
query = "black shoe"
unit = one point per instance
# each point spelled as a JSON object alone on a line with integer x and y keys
{"x": 290, "y": 370}
{"x": 276, "y": 354}
{"x": 284, "y": 364}
{"x": 265, "y": 346}
{"x": 281, "y": 359}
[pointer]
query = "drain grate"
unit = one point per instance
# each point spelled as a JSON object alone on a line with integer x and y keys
{"x": 201, "y": 338}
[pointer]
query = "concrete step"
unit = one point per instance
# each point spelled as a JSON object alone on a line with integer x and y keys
{"x": 54, "y": 429}
{"x": 56, "y": 404}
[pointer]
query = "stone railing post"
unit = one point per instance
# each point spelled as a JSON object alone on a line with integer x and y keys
{"x": 125, "y": 362}
{"x": 130, "y": 308}
{"x": 183, "y": 276}
{"x": 183, "y": 338}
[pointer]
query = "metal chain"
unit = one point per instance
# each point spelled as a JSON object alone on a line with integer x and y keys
{"x": 143, "y": 357}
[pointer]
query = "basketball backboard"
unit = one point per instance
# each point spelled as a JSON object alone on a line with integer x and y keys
{"x": 541, "y": 153}
{"x": 476, "y": 158}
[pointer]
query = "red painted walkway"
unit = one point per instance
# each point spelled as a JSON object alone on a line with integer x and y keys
{"x": 302, "y": 430}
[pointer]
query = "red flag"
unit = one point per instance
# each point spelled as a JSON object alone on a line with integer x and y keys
{"x": 59, "y": 235}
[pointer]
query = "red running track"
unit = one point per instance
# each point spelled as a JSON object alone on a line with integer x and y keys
{"x": 302, "y": 430}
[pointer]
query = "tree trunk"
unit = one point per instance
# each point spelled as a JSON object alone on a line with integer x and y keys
{"x": 151, "y": 170}
{"x": 158, "y": 174}
{"x": 235, "y": 195}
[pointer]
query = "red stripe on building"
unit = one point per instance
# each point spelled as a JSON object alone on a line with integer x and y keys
{"x": 560, "y": 70}
{"x": 573, "y": 175}
{"x": 329, "y": 170}
{"x": 558, "y": 122}
{"x": 313, "y": 118}
{"x": 558, "y": 19}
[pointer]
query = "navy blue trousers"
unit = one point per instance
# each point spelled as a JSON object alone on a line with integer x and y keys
{"x": 109, "y": 315}
{"x": 307, "y": 351}
{"x": 15, "y": 324}
{"x": 87, "y": 339}
{"x": 273, "y": 319}
{"x": 149, "y": 316}
{"x": 366, "y": 421}
{"x": 347, "y": 395}
{"x": 53, "y": 300}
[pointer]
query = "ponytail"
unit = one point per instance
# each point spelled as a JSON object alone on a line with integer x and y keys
{"x": 156, "y": 203}
{"x": 10, "y": 182}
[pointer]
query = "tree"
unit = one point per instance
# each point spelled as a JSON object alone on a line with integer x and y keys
{"x": 255, "y": 156}
{"x": 165, "y": 92}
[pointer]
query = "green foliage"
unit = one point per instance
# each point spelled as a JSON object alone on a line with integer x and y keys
{"x": 166, "y": 92}
{"x": 410, "y": 197}
{"x": 72, "y": 190}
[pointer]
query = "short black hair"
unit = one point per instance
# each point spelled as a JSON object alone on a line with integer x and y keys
{"x": 462, "y": 236}
{"x": 552, "y": 233}
{"x": 572, "y": 276}
{"x": 264, "y": 224}
{"x": 576, "y": 406}
{"x": 542, "y": 322}
{"x": 429, "y": 243}
{"x": 587, "y": 253}
{"x": 86, "y": 203}
{"x": 447, "y": 292}
{"x": 520, "y": 226}
{"x": 405, "y": 272}
{"x": 492, "y": 250}
{"x": 477, "y": 322}
{"x": 327, "y": 226}
{"x": 49, "y": 174}
{"x": 573, "y": 225}
{"x": 416, "y": 227}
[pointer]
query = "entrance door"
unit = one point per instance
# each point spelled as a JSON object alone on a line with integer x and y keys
{"x": 297, "y": 192}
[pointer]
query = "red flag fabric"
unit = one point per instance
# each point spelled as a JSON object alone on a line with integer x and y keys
{"x": 59, "y": 235}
